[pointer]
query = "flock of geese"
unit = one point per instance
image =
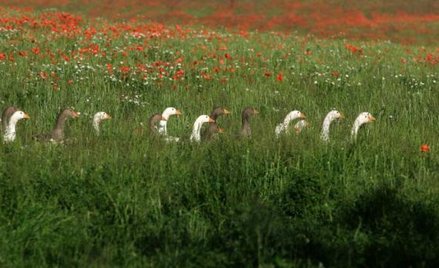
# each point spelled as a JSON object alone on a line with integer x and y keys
{"x": 158, "y": 124}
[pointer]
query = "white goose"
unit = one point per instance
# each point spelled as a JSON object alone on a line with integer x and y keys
{"x": 331, "y": 116}
{"x": 283, "y": 127}
{"x": 98, "y": 118}
{"x": 9, "y": 135}
{"x": 196, "y": 135}
{"x": 163, "y": 123}
{"x": 363, "y": 118}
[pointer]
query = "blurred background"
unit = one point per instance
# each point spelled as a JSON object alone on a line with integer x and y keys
{"x": 408, "y": 22}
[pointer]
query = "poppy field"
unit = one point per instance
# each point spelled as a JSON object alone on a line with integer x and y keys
{"x": 128, "y": 198}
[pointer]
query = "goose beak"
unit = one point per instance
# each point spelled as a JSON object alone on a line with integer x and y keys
{"x": 108, "y": 116}
{"x": 226, "y": 111}
{"x": 26, "y": 116}
{"x": 220, "y": 130}
{"x": 302, "y": 116}
{"x": 342, "y": 116}
{"x": 371, "y": 118}
{"x": 76, "y": 114}
{"x": 210, "y": 120}
{"x": 178, "y": 112}
{"x": 255, "y": 111}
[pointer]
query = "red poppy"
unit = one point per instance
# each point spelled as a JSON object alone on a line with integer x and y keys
{"x": 36, "y": 50}
{"x": 280, "y": 77}
{"x": 354, "y": 49}
{"x": 425, "y": 148}
{"x": 109, "y": 68}
{"x": 125, "y": 69}
{"x": 2, "y": 56}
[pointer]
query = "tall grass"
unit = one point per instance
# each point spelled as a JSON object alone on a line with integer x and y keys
{"x": 127, "y": 199}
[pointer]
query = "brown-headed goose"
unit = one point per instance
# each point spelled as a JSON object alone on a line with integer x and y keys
{"x": 331, "y": 116}
{"x": 57, "y": 134}
{"x": 7, "y": 113}
{"x": 362, "y": 118}
{"x": 163, "y": 123}
{"x": 9, "y": 135}
{"x": 246, "y": 114}
{"x": 196, "y": 135}
{"x": 284, "y": 126}
{"x": 98, "y": 118}
{"x": 213, "y": 128}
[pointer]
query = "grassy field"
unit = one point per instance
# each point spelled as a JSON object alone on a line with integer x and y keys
{"x": 128, "y": 199}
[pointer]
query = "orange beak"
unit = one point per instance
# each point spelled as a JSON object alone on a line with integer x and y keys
{"x": 76, "y": 114}
{"x": 178, "y": 112}
{"x": 302, "y": 116}
{"x": 108, "y": 116}
{"x": 211, "y": 120}
{"x": 226, "y": 111}
{"x": 342, "y": 116}
{"x": 255, "y": 111}
{"x": 220, "y": 130}
{"x": 26, "y": 116}
{"x": 371, "y": 118}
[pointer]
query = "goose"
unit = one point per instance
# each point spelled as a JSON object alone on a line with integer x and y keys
{"x": 213, "y": 128}
{"x": 98, "y": 118}
{"x": 283, "y": 127}
{"x": 331, "y": 116}
{"x": 300, "y": 125}
{"x": 246, "y": 114}
{"x": 152, "y": 121}
{"x": 57, "y": 134}
{"x": 196, "y": 136}
{"x": 361, "y": 119}
{"x": 9, "y": 135}
{"x": 163, "y": 123}
{"x": 7, "y": 113}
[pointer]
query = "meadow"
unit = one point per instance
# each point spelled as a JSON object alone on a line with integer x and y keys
{"x": 127, "y": 199}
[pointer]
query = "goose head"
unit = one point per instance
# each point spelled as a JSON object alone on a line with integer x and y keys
{"x": 218, "y": 111}
{"x": 18, "y": 115}
{"x": 248, "y": 112}
{"x": 68, "y": 112}
{"x": 333, "y": 115}
{"x": 170, "y": 111}
{"x": 329, "y": 118}
{"x": 196, "y": 135}
{"x": 10, "y": 129}
{"x": 203, "y": 119}
{"x": 362, "y": 118}
{"x": 293, "y": 115}
{"x": 98, "y": 118}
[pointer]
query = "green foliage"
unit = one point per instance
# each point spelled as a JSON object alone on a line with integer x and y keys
{"x": 129, "y": 199}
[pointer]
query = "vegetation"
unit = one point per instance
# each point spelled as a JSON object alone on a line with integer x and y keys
{"x": 129, "y": 199}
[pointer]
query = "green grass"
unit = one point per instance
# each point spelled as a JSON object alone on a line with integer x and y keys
{"x": 123, "y": 199}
